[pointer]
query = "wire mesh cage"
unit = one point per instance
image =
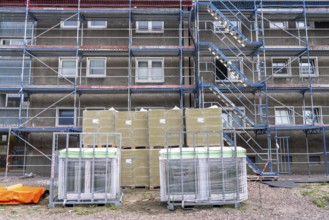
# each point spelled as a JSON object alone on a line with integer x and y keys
{"x": 203, "y": 175}
{"x": 83, "y": 174}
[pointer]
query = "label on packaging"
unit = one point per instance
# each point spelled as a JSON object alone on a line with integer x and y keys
{"x": 4, "y": 138}
{"x": 162, "y": 121}
{"x": 96, "y": 121}
{"x": 200, "y": 120}
{"x": 128, "y": 122}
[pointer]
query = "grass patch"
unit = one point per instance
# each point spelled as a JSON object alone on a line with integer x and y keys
{"x": 112, "y": 207}
{"x": 321, "y": 202}
{"x": 86, "y": 210}
{"x": 317, "y": 194}
{"x": 308, "y": 193}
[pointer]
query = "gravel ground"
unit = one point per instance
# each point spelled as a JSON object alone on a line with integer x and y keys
{"x": 264, "y": 203}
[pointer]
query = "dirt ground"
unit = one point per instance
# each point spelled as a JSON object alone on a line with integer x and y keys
{"x": 309, "y": 201}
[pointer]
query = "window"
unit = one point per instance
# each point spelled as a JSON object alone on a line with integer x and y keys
{"x": 96, "y": 67}
{"x": 97, "y": 24}
{"x": 231, "y": 118}
{"x": 308, "y": 67}
{"x": 218, "y": 27}
{"x": 10, "y": 42}
{"x": 149, "y": 26}
{"x": 68, "y": 67}
{"x": 149, "y": 70}
{"x": 64, "y": 116}
{"x": 286, "y": 158}
{"x": 13, "y": 100}
{"x": 312, "y": 115}
{"x": 69, "y": 24}
{"x": 227, "y": 73}
{"x": 11, "y": 71}
{"x": 321, "y": 24}
{"x": 315, "y": 159}
{"x": 278, "y": 25}
{"x": 284, "y": 116}
{"x": 301, "y": 24}
{"x": 281, "y": 67}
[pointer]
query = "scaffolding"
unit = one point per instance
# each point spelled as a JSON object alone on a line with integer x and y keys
{"x": 244, "y": 56}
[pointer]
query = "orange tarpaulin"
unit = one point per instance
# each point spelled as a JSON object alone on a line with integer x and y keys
{"x": 20, "y": 195}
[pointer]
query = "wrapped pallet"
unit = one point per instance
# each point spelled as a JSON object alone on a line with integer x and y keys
{"x": 98, "y": 122}
{"x": 133, "y": 128}
{"x": 204, "y": 127}
{"x": 162, "y": 121}
{"x": 135, "y": 167}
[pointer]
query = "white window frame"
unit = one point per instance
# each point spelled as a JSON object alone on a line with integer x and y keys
{"x": 310, "y": 108}
{"x": 291, "y": 115}
{"x": 316, "y": 67}
{"x": 218, "y": 28}
{"x": 228, "y": 72}
{"x": 274, "y": 25}
{"x": 89, "y": 59}
{"x": 92, "y": 26}
{"x": 149, "y": 72}
{"x": 65, "y": 26}
{"x": 229, "y": 111}
{"x": 11, "y": 42}
{"x": 10, "y": 95}
{"x": 287, "y": 66}
{"x": 301, "y": 25}
{"x": 149, "y": 29}
{"x": 60, "y": 67}
{"x": 57, "y": 116}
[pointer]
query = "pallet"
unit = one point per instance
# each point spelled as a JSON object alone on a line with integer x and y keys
{"x": 154, "y": 187}
{"x": 133, "y": 147}
{"x": 163, "y": 147}
{"x": 135, "y": 187}
{"x": 261, "y": 178}
{"x": 100, "y": 146}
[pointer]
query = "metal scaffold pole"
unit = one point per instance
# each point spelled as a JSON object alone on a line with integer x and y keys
{"x": 129, "y": 54}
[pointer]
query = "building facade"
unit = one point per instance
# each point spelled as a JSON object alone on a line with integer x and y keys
{"x": 263, "y": 62}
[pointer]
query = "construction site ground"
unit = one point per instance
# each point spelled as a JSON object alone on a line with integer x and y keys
{"x": 309, "y": 201}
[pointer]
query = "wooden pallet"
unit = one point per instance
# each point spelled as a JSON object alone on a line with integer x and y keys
{"x": 154, "y": 187}
{"x": 261, "y": 178}
{"x": 134, "y": 147}
{"x": 135, "y": 187}
{"x": 163, "y": 147}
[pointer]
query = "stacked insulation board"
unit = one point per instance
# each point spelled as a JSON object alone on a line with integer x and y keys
{"x": 135, "y": 167}
{"x": 162, "y": 121}
{"x": 140, "y": 167}
{"x": 204, "y": 126}
{"x": 207, "y": 175}
{"x": 133, "y": 127}
{"x": 101, "y": 122}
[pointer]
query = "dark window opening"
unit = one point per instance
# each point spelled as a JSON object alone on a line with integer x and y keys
{"x": 65, "y": 117}
{"x": 321, "y": 24}
{"x": 315, "y": 159}
{"x": 286, "y": 159}
{"x": 221, "y": 70}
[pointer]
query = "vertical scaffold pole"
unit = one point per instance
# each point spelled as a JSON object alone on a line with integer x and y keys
{"x": 76, "y": 64}
{"x": 181, "y": 94}
{"x": 129, "y": 54}
{"x": 21, "y": 91}
{"x": 8, "y": 152}
{"x": 325, "y": 150}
